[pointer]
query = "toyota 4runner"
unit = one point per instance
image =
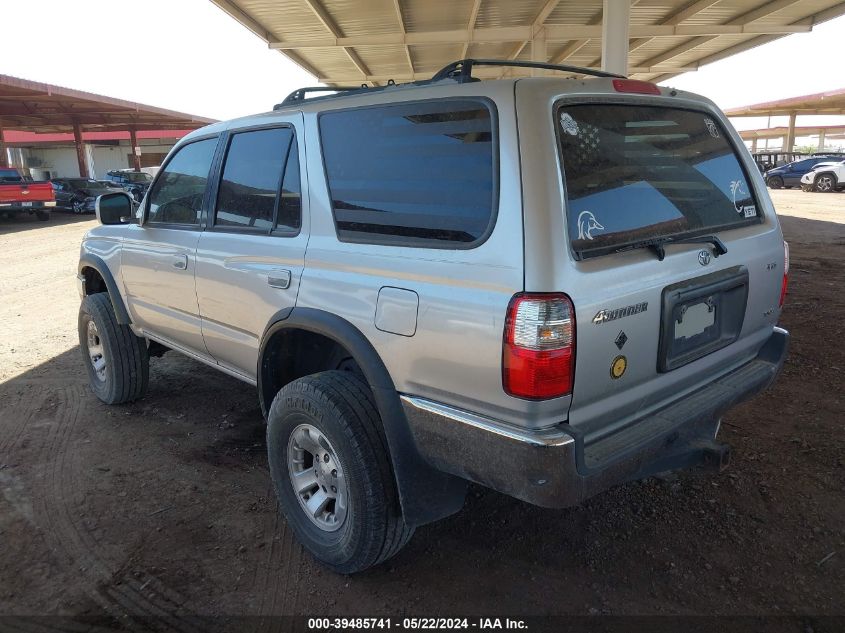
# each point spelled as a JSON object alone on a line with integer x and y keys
{"x": 546, "y": 286}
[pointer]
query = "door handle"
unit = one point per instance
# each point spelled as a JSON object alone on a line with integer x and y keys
{"x": 181, "y": 262}
{"x": 279, "y": 279}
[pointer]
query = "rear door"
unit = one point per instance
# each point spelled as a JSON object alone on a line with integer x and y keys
{"x": 250, "y": 257}
{"x": 654, "y": 323}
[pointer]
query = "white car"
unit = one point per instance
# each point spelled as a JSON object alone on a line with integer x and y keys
{"x": 825, "y": 177}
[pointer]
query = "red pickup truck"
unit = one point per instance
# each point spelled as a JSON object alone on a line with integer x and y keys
{"x": 18, "y": 195}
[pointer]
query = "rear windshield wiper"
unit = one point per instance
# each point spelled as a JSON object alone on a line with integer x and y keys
{"x": 658, "y": 244}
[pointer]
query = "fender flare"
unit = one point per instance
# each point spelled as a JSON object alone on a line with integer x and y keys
{"x": 426, "y": 494}
{"x": 88, "y": 260}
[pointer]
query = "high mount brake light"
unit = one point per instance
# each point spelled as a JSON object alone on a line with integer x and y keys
{"x": 538, "y": 356}
{"x": 635, "y": 86}
{"x": 785, "y": 281}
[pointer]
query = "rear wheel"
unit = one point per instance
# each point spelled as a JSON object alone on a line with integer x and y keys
{"x": 825, "y": 183}
{"x": 775, "y": 182}
{"x": 331, "y": 469}
{"x": 117, "y": 361}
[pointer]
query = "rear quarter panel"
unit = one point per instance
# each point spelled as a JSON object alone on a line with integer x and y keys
{"x": 454, "y": 356}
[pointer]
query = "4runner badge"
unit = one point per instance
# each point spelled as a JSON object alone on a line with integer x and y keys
{"x": 603, "y": 316}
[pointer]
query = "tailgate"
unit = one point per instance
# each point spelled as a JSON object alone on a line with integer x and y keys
{"x": 658, "y": 320}
{"x": 26, "y": 192}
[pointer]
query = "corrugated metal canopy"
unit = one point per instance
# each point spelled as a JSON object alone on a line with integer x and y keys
{"x": 830, "y": 132}
{"x": 37, "y": 107}
{"x": 832, "y": 102}
{"x": 355, "y": 41}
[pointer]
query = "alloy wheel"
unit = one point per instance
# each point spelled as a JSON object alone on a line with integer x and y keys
{"x": 317, "y": 477}
{"x": 96, "y": 352}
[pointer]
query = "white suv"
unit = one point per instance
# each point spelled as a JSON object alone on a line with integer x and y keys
{"x": 825, "y": 177}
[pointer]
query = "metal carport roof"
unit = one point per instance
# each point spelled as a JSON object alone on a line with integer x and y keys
{"x": 356, "y": 41}
{"x": 38, "y": 107}
{"x": 832, "y": 102}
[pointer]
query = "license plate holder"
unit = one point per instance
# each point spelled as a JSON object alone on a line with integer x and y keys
{"x": 700, "y": 316}
{"x": 26, "y": 204}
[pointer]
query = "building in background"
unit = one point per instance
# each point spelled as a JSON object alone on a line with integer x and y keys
{"x": 48, "y": 156}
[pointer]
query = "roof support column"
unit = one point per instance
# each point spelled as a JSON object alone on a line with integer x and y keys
{"x": 4, "y": 150}
{"x": 821, "y": 139}
{"x": 753, "y": 144}
{"x": 538, "y": 52}
{"x": 614, "y": 36}
{"x": 136, "y": 157}
{"x": 80, "y": 150}
{"x": 790, "y": 134}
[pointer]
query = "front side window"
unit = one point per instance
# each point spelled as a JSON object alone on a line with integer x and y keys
{"x": 418, "y": 174}
{"x": 252, "y": 178}
{"x": 176, "y": 197}
{"x": 636, "y": 172}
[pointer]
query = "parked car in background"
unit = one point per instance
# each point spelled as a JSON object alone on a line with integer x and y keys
{"x": 80, "y": 194}
{"x": 108, "y": 184}
{"x": 788, "y": 176}
{"x": 135, "y": 182}
{"x": 19, "y": 195}
{"x": 826, "y": 178}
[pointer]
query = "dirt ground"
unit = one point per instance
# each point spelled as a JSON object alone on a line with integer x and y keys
{"x": 165, "y": 506}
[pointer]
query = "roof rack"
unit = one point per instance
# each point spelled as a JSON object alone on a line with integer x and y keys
{"x": 461, "y": 70}
{"x": 300, "y": 93}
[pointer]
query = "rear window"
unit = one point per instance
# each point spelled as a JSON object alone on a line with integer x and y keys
{"x": 417, "y": 174}
{"x": 636, "y": 173}
{"x": 10, "y": 175}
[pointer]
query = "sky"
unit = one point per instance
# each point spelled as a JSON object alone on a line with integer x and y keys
{"x": 190, "y": 56}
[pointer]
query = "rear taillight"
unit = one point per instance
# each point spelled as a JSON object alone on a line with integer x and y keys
{"x": 538, "y": 359}
{"x": 635, "y": 86}
{"x": 785, "y": 281}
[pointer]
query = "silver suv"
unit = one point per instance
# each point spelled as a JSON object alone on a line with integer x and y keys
{"x": 546, "y": 286}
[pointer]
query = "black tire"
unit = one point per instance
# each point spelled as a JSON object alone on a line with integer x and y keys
{"x": 42, "y": 215}
{"x": 340, "y": 406}
{"x": 127, "y": 363}
{"x": 775, "y": 182}
{"x": 825, "y": 183}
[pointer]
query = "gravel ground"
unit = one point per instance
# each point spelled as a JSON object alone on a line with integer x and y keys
{"x": 165, "y": 506}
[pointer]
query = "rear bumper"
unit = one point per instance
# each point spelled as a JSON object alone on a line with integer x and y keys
{"x": 18, "y": 207}
{"x": 555, "y": 468}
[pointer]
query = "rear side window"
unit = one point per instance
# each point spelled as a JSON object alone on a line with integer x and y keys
{"x": 418, "y": 174}
{"x": 176, "y": 197}
{"x": 253, "y": 175}
{"x": 636, "y": 173}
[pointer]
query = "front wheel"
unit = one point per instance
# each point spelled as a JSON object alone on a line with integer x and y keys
{"x": 825, "y": 183}
{"x": 331, "y": 470}
{"x": 117, "y": 361}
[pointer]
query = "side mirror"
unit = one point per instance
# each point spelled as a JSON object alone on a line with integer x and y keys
{"x": 115, "y": 208}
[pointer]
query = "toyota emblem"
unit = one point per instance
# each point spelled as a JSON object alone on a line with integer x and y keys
{"x": 703, "y": 257}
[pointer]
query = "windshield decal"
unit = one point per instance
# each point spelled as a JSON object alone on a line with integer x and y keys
{"x": 568, "y": 124}
{"x": 749, "y": 211}
{"x": 711, "y": 127}
{"x": 587, "y": 223}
